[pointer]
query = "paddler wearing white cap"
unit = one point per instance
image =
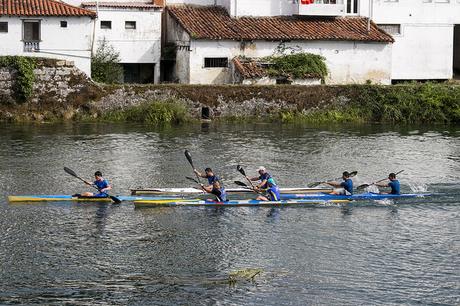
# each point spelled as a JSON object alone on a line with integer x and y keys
{"x": 268, "y": 183}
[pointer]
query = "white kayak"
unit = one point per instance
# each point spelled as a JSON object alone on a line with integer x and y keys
{"x": 196, "y": 191}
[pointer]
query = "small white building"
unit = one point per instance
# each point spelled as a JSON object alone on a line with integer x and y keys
{"x": 206, "y": 39}
{"x": 47, "y": 28}
{"x": 134, "y": 30}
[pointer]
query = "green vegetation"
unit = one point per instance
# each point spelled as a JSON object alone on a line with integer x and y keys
{"x": 25, "y": 78}
{"x": 298, "y": 66}
{"x": 105, "y": 67}
{"x": 153, "y": 113}
{"x": 414, "y": 103}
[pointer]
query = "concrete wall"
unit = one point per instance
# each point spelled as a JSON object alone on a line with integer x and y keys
{"x": 348, "y": 62}
{"x": 140, "y": 45}
{"x": 176, "y": 35}
{"x": 72, "y": 43}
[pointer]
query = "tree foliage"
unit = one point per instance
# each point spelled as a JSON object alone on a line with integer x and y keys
{"x": 105, "y": 67}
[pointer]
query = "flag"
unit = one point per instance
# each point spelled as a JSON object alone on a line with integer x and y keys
{"x": 307, "y": 1}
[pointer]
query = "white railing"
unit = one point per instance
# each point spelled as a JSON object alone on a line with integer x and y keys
{"x": 322, "y": 7}
{"x": 31, "y": 46}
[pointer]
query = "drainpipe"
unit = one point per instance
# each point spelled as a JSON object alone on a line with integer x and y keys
{"x": 94, "y": 28}
{"x": 371, "y": 9}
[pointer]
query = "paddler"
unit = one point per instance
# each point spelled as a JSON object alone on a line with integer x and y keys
{"x": 393, "y": 184}
{"x": 343, "y": 188}
{"x": 102, "y": 185}
{"x": 215, "y": 186}
{"x": 266, "y": 183}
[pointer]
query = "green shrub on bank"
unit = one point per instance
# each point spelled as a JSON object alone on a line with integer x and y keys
{"x": 105, "y": 64}
{"x": 426, "y": 103}
{"x": 153, "y": 113}
{"x": 297, "y": 66}
{"x": 23, "y": 88}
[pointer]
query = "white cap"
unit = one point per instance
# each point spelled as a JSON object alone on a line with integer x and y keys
{"x": 261, "y": 168}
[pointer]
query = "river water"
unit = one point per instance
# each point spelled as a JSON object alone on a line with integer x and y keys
{"x": 362, "y": 253}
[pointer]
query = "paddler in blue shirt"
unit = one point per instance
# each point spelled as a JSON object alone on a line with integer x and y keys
{"x": 343, "y": 188}
{"x": 266, "y": 183}
{"x": 101, "y": 184}
{"x": 393, "y": 184}
{"x": 215, "y": 186}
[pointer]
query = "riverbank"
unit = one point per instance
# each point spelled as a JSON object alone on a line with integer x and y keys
{"x": 59, "y": 92}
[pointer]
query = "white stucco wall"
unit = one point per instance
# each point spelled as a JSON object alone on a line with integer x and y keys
{"x": 141, "y": 45}
{"x": 348, "y": 62}
{"x": 72, "y": 43}
{"x": 424, "y": 49}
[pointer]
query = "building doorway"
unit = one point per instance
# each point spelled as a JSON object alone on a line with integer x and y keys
{"x": 456, "y": 52}
{"x": 138, "y": 73}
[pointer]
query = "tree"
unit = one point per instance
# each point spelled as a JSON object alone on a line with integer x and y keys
{"x": 105, "y": 67}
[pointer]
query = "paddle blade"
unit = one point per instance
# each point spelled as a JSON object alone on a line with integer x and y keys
{"x": 353, "y": 173}
{"x": 240, "y": 183}
{"x": 241, "y": 170}
{"x": 189, "y": 158}
{"x": 363, "y": 186}
{"x": 115, "y": 199}
{"x": 312, "y": 185}
{"x": 70, "y": 171}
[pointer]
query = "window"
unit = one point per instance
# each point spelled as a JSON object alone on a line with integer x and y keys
{"x": 106, "y": 24}
{"x": 215, "y": 62}
{"x": 3, "y": 27}
{"x": 393, "y": 29}
{"x": 31, "y": 30}
{"x": 131, "y": 25}
{"x": 63, "y": 24}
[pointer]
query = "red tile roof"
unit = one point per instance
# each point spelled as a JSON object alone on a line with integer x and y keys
{"x": 213, "y": 22}
{"x": 140, "y": 5}
{"x": 41, "y": 8}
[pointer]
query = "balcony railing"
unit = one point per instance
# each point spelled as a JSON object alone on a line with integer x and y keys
{"x": 322, "y": 8}
{"x": 31, "y": 46}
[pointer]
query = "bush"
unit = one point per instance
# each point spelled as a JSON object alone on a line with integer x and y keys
{"x": 23, "y": 88}
{"x": 298, "y": 66}
{"x": 153, "y": 113}
{"x": 105, "y": 67}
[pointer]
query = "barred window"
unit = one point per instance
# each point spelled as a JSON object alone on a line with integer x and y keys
{"x": 215, "y": 62}
{"x": 131, "y": 25}
{"x": 106, "y": 24}
{"x": 393, "y": 29}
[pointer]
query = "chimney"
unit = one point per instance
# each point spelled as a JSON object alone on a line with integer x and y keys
{"x": 159, "y": 2}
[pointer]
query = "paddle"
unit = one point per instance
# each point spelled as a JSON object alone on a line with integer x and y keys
{"x": 72, "y": 173}
{"x": 367, "y": 185}
{"x": 311, "y": 185}
{"x": 189, "y": 158}
{"x": 241, "y": 170}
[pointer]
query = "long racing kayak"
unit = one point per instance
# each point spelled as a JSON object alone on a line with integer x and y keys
{"x": 195, "y": 191}
{"x": 354, "y": 197}
{"x": 197, "y": 202}
{"x": 48, "y": 198}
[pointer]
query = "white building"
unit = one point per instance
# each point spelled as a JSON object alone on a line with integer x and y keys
{"x": 47, "y": 28}
{"x": 426, "y": 32}
{"x": 134, "y": 30}
{"x": 207, "y": 39}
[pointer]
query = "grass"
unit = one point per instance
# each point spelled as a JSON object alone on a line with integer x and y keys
{"x": 151, "y": 113}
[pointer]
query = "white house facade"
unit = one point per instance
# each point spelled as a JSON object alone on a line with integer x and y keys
{"x": 47, "y": 28}
{"x": 133, "y": 29}
{"x": 207, "y": 39}
{"x": 426, "y": 32}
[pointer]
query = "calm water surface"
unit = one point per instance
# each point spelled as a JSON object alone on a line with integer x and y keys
{"x": 364, "y": 253}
